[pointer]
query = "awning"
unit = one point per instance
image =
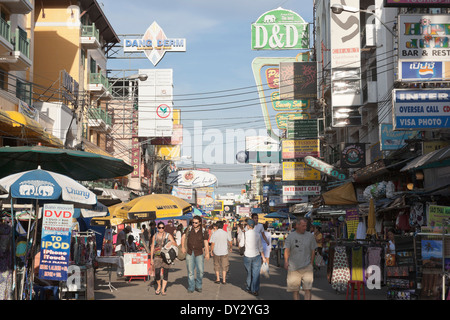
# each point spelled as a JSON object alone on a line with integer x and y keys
{"x": 14, "y": 123}
{"x": 342, "y": 195}
{"x": 93, "y": 148}
{"x": 435, "y": 159}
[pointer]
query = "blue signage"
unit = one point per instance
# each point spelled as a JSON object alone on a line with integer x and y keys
{"x": 393, "y": 140}
{"x": 422, "y": 71}
{"x": 422, "y": 109}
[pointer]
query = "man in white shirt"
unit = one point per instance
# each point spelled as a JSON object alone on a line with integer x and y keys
{"x": 259, "y": 228}
{"x": 220, "y": 246}
{"x": 253, "y": 258}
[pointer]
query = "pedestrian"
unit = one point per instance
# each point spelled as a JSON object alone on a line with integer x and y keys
{"x": 179, "y": 234}
{"x": 253, "y": 258}
{"x": 121, "y": 248}
{"x": 221, "y": 244}
{"x": 145, "y": 238}
{"x": 170, "y": 229}
{"x": 299, "y": 252}
{"x": 259, "y": 229}
{"x": 234, "y": 233}
{"x": 160, "y": 240}
{"x": 267, "y": 247}
{"x": 195, "y": 244}
{"x": 153, "y": 229}
{"x": 131, "y": 245}
{"x": 241, "y": 238}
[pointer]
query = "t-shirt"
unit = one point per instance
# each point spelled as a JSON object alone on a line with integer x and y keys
{"x": 220, "y": 238}
{"x": 301, "y": 247}
{"x": 253, "y": 245}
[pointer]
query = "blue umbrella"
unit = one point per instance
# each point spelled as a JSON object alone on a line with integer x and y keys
{"x": 280, "y": 215}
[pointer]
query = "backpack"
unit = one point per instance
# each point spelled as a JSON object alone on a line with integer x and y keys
{"x": 169, "y": 254}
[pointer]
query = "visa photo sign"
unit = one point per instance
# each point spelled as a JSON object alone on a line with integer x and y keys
{"x": 424, "y": 109}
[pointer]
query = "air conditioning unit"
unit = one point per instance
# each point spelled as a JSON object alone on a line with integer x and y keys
{"x": 371, "y": 35}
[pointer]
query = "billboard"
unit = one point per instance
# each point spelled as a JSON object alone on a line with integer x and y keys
{"x": 154, "y": 44}
{"x": 298, "y": 80}
{"x": 301, "y": 190}
{"x": 280, "y": 29}
{"x": 296, "y": 171}
{"x": 423, "y": 37}
{"x": 393, "y": 140}
{"x": 345, "y": 47}
{"x": 424, "y": 71}
{"x": 191, "y": 178}
{"x": 155, "y": 102}
{"x": 422, "y": 109}
{"x": 293, "y": 149}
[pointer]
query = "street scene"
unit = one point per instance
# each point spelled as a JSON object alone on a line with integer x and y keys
{"x": 230, "y": 157}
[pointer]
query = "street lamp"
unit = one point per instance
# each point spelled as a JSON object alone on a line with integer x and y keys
{"x": 339, "y": 8}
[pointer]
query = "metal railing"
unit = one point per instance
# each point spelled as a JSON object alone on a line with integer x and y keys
{"x": 22, "y": 44}
{"x": 5, "y": 29}
{"x": 98, "y": 78}
{"x": 99, "y": 113}
{"x": 90, "y": 31}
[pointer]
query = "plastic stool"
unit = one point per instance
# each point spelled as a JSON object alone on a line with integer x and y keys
{"x": 356, "y": 283}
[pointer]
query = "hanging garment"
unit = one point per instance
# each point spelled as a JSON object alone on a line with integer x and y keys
{"x": 341, "y": 270}
{"x": 361, "y": 231}
{"x": 373, "y": 258}
{"x": 357, "y": 264}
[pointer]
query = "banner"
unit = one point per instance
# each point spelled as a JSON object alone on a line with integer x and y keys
{"x": 55, "y": 241}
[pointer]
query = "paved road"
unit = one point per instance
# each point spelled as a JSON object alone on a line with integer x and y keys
{"x": 273, "y": 288}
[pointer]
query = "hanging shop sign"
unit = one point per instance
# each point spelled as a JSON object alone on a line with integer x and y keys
{"x": 393, "y": 140}
{"x": 417, "y": 3}
{"x": 191, "y": 178}
{"x": 353, "y": 155}
{"x": 294, "y": 149}
{"x": 135, "y": 146}
{"x": 155, "y": 44}
{"x": 299, "y": 171}
{"x": 423, "y": 37}
{"x": 295, "y": 199}
{"x": 325, "y": 168}
{"x": 184, "y": 193}
{"x": 55, "y": 241}
{"x": 280, "y": 29}
{"x": 301, "y": 129}
{"x": 298, "y": 80}
{"x": 282, "y": 118}
{"x": 424, "y": 71}
{"x": 301, "y": 190}
{"x": 289, "y": 105}
{"x": 423, "y": 109}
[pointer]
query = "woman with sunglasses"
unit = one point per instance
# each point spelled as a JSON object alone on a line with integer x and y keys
{"x": 160, "y": 239}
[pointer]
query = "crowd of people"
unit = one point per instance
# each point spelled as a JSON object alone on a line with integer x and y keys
{"x": 204, "y": 239}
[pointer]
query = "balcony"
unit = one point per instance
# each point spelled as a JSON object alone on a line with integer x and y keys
{"x": 99, "y": 85}
{"x": 90, "y": 37}
{"x": 98, "y": 119}
{"x": 18, "y": 6}
{"x": 14, "y": 50}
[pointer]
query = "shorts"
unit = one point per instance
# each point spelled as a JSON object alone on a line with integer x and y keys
{"x": 221, "y": 263}
{"x": 300, "y": 278}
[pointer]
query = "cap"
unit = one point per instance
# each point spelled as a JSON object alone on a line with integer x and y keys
{"x": 251, "y": 223}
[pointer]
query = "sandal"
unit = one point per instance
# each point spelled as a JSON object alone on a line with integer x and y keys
{"x": 217, "y": 281}
{"x": 163, "y": 293}
{"x": 157, "y": 292}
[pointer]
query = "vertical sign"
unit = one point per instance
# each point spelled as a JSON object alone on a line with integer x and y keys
{"x": 352, "y": 220}
{"x": 298, "y": 80}
{"x": 55, "y": 241}
{"x": 346, "y": 66}
{"x": 135, "y": 149}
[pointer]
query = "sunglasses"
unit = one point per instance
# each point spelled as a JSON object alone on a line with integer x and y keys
{"x": 195, "y": 222}
{"x": 160, "y": 227}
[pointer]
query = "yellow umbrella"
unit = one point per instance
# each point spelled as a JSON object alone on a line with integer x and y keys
{"x": 371, "y": 219}
{"x": 115, "y": 217}
{"x": 154, "y": 206}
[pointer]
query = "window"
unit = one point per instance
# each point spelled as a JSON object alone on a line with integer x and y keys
{"x": 24, "y": 91}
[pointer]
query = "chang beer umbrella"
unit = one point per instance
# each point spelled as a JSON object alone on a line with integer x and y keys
{"x": 113, "y": 218}
{"x": 155, "y": 206}
{"x": 40, "y": 186}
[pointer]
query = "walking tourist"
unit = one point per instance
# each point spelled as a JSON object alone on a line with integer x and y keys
{"x": 121, "y": 248}
{"x": 160, "y": 240}
{"x": 299, "y": 255}
{"x": 195, "y": 244}
{"x": 267, "y": 247}
{"x": 253, "y": 258}
{"x": 221, "y": 244}
{"x": 259, "y": 229}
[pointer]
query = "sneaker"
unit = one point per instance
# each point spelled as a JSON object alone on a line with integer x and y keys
{"x": 189, "y": 291}
{"x": 198, "y": 290}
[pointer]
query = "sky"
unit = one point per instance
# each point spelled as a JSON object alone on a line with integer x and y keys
{"x": 214, "y": 86}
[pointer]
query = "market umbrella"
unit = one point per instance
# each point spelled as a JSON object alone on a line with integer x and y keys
{"x": 41, "y": 185}
{"x": 78, "y": 165}
{"x": 371, "y": 219}
{"x": 154, "y": 206}
{"x": 280, "y": 215}
{"x": 112, "y": 219}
